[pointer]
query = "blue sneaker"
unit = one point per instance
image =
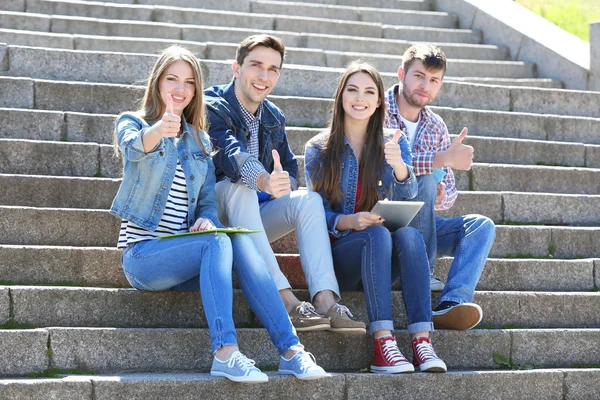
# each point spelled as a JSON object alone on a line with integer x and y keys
{"x": 302, "y": 365}
{"x": 238, "y": 368}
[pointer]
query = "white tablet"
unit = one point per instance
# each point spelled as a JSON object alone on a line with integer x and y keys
{"x": 397, "y": 214}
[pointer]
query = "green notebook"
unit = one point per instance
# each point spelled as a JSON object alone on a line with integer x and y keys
{"x": 216, "y": 230}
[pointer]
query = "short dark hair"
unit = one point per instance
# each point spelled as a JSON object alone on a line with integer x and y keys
{"x": 248, "y": 44}
{"x": 432, "y": 57}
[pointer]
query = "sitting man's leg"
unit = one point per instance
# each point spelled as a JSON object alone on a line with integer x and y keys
{"x": 238, "y": 206}
{"x": 303, "y": 211}
{"x": 469, "y": 240}
{"x": 424, "y": 222}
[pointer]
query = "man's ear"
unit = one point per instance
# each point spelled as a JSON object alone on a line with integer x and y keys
{"x": 236, "y": 69}
{"x": 400, "y": 73}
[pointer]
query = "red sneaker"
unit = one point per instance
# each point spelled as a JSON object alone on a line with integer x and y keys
{"x": 387, "y": 358}
{"x": 424, "y": 356}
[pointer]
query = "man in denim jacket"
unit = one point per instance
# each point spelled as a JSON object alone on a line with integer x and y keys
{"x": 467, "y": 238}
{"x": 257, "y": 172}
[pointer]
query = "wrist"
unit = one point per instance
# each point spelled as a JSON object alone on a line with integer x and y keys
{"x": 263, "y": 182}
{"x": 441, "y": 159}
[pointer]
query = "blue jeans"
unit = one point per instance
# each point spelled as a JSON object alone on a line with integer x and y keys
{"x": 373, "y": 259}
{"x": 204, "y": 262}
{"x": 468, "y": 239}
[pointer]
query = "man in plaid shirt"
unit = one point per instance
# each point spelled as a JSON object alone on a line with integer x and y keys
{"x": 467, "y": 238}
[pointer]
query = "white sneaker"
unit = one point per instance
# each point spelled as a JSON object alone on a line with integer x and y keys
{"x": 238, "y": 368}
{"x": 302, "y": 365}
{"x": 435, "y": 284}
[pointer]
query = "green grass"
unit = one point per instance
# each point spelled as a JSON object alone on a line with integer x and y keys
{"x": 12, "y": 324}
{"x": 574, "y": 16}
{"x": 56, "y": 372}
{"x": 586, "y": 366}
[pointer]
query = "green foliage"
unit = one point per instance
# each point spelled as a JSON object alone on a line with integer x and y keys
{"x": 586, "y": 366}
{"x": 57, "y": 372}
{"x": 508, "y": 363}
{"x": 12, "y": 324}
{"x": 551, "y": 249}
{"x": 510, "y": 326}
{"x": 574, "y": 16}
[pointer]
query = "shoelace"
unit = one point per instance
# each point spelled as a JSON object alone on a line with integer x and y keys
{"x": 241, "y": 361}
{"x": 342, "y": 310}
{"x": 391, "y": 352}
{"x": 425, "y": 351}
{"x": 306, "y": 359}
{"x": 306, "y": 309}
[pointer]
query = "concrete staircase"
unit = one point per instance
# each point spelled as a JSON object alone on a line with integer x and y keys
{"x": 68, "y": 67}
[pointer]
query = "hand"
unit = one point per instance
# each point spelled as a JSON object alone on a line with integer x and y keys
{"x": 202, "y": 224}
{"x": 440, "y": 195}
{"x": 279, "y": 183}
{"x": 364, "y": 219}
{"x": 170, "y": 124}
{"x": 393, "y": 154}
{"x": 460, "y": 156}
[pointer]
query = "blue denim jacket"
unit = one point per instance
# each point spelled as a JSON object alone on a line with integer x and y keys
{"x": 229, "y": 133}
{"x": 389, "y": 187}
{"x": 147, "y": 177}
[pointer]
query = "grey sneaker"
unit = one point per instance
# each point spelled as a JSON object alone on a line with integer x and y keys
{"x": 238, "y": 368}
{"x": 305, "y": 318}
{"x": 435, "y": 284}
{"x": 302, "y": 365}
{"x": 339, "y": 319}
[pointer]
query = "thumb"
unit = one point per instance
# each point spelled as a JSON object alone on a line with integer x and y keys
{"x": 397, "y": 136}
{"x": 276, "y": 162}
{"x": 170, "y": 104}
{"x": 462, "y": 136}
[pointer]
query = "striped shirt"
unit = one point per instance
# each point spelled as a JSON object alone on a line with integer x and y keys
{"x": 252, "y": 169}
{"x": 432, "y": 136}
{"x": 173, "y": 220}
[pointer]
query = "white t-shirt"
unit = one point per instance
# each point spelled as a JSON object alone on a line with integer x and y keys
{"x": 411, "y": 130}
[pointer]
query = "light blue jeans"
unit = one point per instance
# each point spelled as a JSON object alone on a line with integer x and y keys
{"x": 468, "y": 239}
{"x": 373, "y": 260}
{"x": 204, "y": 262}
{"x": 301, "y": 211}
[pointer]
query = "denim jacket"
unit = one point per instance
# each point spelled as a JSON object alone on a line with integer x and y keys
{"x": 147, "y": 177}
{"x": 389, "y": 187}
{"x": 230, "y": 134}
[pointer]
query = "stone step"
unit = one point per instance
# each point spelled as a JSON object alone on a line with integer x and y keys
{"x": 158, "y": 13}
{"x": 102, "y": 66}
{"x": 213, "y": 41}
{"x": 300, "y": 111}
{"x": 501, "y": 207}
{"x": 130, "y": 308}
{"x": 135, "y": 349}
{"x": 90, "y": 159}
{"x": 189, "y": 28}
{"x": 101, "y": 267}
{"x": 527, "y": 82}
{"x": 423, "y": 5}
{"x": 98, "y": 128}
{"x": 38, "y": 226}
{"x": 547, "y": 384}
{"x": 392, "y": 16}
{"x": 529, "y": 178}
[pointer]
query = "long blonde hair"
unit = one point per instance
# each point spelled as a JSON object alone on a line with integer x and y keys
{"x": 152, "y": 107}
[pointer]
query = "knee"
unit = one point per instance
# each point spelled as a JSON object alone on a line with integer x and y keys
{"x": 311, "y": 202}
{"x": 488, "y": 226}
{"x": 379, "y": 235}
{"x": 407, "y": 237}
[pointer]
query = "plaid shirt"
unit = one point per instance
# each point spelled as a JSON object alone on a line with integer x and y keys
{"x": 252, "y": 169}
{"x": 432, "y": 136}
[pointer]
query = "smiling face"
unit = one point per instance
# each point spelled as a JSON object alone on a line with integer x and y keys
{"x": 257, "y": 76}
{"x": 420, "y": 85}
{"x": 178, "y": 81}
{"x": 360, "y": 98}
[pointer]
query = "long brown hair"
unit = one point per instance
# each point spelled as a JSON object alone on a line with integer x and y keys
{"x": 329, "y": 177}
{"x": 152, "y": 107}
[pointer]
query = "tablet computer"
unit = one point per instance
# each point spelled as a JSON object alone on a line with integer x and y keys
{"x": 397, "y": 214}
